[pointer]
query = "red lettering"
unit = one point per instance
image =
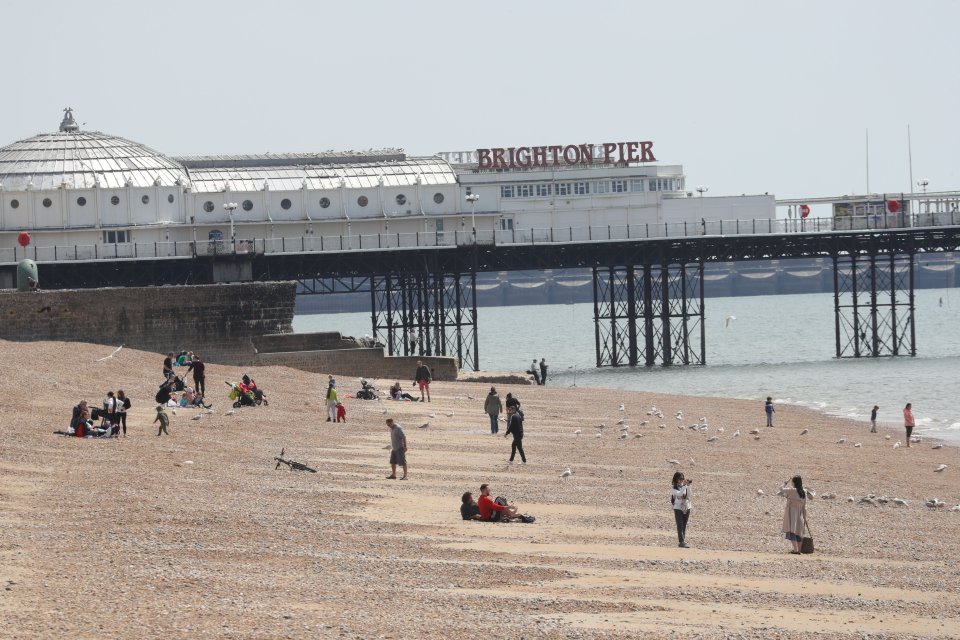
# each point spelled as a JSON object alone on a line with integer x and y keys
{"x": 646, "y": 152}
{"x": 523, "y": 157}
{"x": 483, "y": 158}
{"x": 586, "y": 154}
{"x": 510, "y": 151}
{"x": 555, "y": 152}
{"x": 620, "y": 146}
{"x": 632, "y": 151}
{"x": 571, "y": 154}
{"x": 539, "y": 156}
{"x": 498, "y": 162}
{"x": 608, "y": 148}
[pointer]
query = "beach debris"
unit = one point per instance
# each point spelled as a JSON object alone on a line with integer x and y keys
{"x": 915, "y": 439}
{"x": 841, "y": 440}
{"x": 291, "y": 464}
{"x": 851, "y": 499}
{"x": 882, "y": 499}
{"x": 601, "y": 426}
{"x": 643, "y": 423}
{"x": 209, "y": 412}
{"x": 188, "y": 462}
{"x": 703, "y": 419}
{"x": 384, "y": 411}
{"x": 900, "y": 502}
{"x": 857, "y": 445}
{"x": 173, "y": 411}
{"x": 756, "y": 437}
{"x": 934, "y": 503}
{"x": 115, "y": 352}
{"x": 649, "y": 413}
{"x": 230, "y": 412}
{"x": 886, "y": 437}
{"x": 577, "y": 432}
{"x": 197, "y": 417}
{"x": 692, "y": 461}
{"x": 621, "y": 407}
{"x": 719, "y": 429}
{"x": 713, "y": 439}
{"x": 829, "y": 495}
{"x": 736, "y": 434}
{"x": 940, "y": 468}
{"x": 760, "y": 492}
{"x": 624, "y": 436}
{"x": 638, "y": 435}
{"x": 662, "y": 426}
{"x": 674, "y": 462}
{"x": 956, "y": 508}
{"x": 937, "y": 446}
{"x": 867, "y": 500}
{"x": 754, "y": 431}
{"x": 424, "y": 425}
{"x": 449, "y": 414}
{"x": 432, "y": 415}
{"x": 805, "y": 432}
{"x": 896, "y": 445}
{"x": 599, "y": 434}
{"x": 470, "y": 397}
{"x": 620, "y": 421}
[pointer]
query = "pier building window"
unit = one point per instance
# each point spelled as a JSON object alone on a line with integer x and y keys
{"x": 145, "y": 199}
{"x": 544, "y": 189}
{"x": 506, "y": 191}
{"x": 618, "y": 186}
{"x": 285, "y": 203}
{"x": 524, "y": 190}
{"x": 14, "y": 203}
{"x": 81, "y": 201}
{"x": 438, "y": 198}
{"x": 47, "y": 202}
{"x": 636, "y": 185}
{"x": 401, "y": 199}
{"x": 601, "y": 186}
{"x": 563, "y": 188}
{"x": 208, "y": 206}
{"x": 581, "y": 188}
{"x": 653, "y": 185}
{"x": 170, "y": 198}
{"x": 506, "y": 224}
{"x": 363, "y": 201}
{"x": 115, "y": 237}
{"x": 324, "y": 203}
{"x": 247, "y": 205}
{"x": 115, "y": 200}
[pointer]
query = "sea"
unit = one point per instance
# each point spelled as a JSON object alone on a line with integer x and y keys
{"x": 781, "y": 346}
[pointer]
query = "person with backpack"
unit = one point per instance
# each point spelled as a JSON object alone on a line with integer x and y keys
{"x": 515, "y": 427}
{"x": 492, "y": 510}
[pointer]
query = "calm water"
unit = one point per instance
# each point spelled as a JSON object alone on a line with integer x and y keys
{"x": 781, "y": 346}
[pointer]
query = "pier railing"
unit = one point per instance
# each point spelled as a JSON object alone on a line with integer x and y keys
{"x": 499, "y": 237}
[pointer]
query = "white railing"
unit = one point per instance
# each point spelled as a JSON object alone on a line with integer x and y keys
{"x": 374, "y": 242}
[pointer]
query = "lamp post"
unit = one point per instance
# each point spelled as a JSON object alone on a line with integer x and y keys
{"x": 229, "y": 207}
{"x": 702, "y": 190}
{"x": 472, "y": 199}
{"x": 922, "y": 183}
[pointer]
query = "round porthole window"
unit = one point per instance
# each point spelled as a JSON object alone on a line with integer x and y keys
{"x": 208, "y": 206}
{"x": 285, "y": 203}
{"x": 145, "y": 199}
{"x": 362, "y": 201}
{"x": 324, "y": 202}
{"x": 438, "y": 198}
{"x": 14, "y": 203}
{"x": 247, "y": 205}
{"x": 47, "y": 202}
{"x": 81, "y": 201}
{"x": 115, "y": 200}
{"x": 170, "y": 198}
{"x": 401, "y": 199}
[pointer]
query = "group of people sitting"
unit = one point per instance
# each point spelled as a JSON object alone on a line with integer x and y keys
{"x": 490, "y": 509}
{"x": 112, "y": 417}
{"x": 246, "y": 392}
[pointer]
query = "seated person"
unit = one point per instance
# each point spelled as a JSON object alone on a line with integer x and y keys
{"x": 397, "y": 393}
{"x": 490, "y": 510}
{"x": 80, "y": 421}
{"x": 469, "y": 509}
{"x": 249, "y": 385}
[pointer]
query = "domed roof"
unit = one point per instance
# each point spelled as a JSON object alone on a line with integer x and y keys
{"x": 83, "y": 159}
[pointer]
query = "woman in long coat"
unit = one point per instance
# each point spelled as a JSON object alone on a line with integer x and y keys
{"x": 795, "y": 514}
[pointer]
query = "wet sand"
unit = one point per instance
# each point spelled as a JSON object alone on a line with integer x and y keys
{"x": 197, "y": 535}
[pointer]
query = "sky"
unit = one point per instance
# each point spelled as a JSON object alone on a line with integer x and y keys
{"x": 749, "y": 96}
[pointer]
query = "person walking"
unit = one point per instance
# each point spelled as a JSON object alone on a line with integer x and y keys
{"x": 543, "y": 371}
{"x": 163, "y": 419}
{"x": 515, "y": 427}
{"x": 123, "y": 404}
{"x": 768, "y": 408}
{"x": 422, "y": 379}
{"x": 199, "y": 377}
{"x": 493, "y": 408}
{"x": 512, "y": 402}
{"x": 398, "y": 450}
{"x": 873, "y": 419}
{"x": 680, "y": 495}
{"x": 795, "y": 513}
{"x": 535, "y": 370}
{"x": 332, "y": 400}
{"x": 908, "y": 421}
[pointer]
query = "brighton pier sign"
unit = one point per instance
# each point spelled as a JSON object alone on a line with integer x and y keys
{"x": 554, "y": 155}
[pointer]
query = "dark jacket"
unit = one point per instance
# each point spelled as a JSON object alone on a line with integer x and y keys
{"x": 515, "y": 426}
{"x": 513, "y": 402}
{"x": 423, "y": 373}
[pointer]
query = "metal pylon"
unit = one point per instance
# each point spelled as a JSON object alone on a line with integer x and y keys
{"x": 650, "y": 314}
{"x": 873, "y": 305}
{"x": 425, "y": 314}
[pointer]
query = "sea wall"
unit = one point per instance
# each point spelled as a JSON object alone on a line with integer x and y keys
{"x": 367, "y": 363}
{"x": 218, "y": 322}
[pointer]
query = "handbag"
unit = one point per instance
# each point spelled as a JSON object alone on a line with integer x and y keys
{"x": 806, "y": 543}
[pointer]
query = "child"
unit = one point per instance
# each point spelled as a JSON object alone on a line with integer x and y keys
{"x": 341, "y": 413}
{"x": 768, "y": 407}
{"x": 162, "y": 419}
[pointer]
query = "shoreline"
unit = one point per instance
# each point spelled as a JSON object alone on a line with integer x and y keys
{"x": 202, "y": 532}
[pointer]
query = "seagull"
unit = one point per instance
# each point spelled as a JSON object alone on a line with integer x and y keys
{"x": 719, "y": 429}
{"x": 620, "y": 421}
{"x": 851, "y": 499}
{"x": 754, "y": 431}
{"x": 940, "y": 468}
{"x": 566, "y": 473}
{"x": 900, "y": 501}
{"x": 886, "y": 437}
{"x": 896, "y": 445}
{"x": 577, "y": 432}
{"x": 621, "y": 407}
{"x": 173, "y": 411}
{"x": 934, "y": 503}
{"x": 841, "y": 440}
{"x": 115, "y": 352}
{"x": 736, "y": 434}
{"x": 209, "y": 411}
{"x": 956, "y": 508}
{"x": 805, "y": 432}
{"x": 713, "y": 439}
{"x": 384, "y": 411}
{"x": 643, "y": 423}
{"x": 424, "y": 425}
{"x": 599, "y": 434}
{"x": 674, "y": 462}
{"x": 760, "y": 492}
{"x": 623, "y": 436}
{"x": 469, "y": 397}
{"x": 937, "y": 446}
{"x": 601, "y": 426}
{"x": 197, "y": 417}
{"x": 728, "y": 320}
{"x": 449, "y": 414}
{"x": 857, "y": 445}
{"x": 638, "y": 435}
{"x": 389, "y": 446}
{"x": 662, "y": 426}
{"x": 830, "y": 495}
{"x": 433, "y": 415}
{"x": 229, "y": 413}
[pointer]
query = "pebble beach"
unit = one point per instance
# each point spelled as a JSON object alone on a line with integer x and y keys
{"x": 197, "y": 534}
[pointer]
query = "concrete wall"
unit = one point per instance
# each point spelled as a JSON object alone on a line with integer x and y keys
{"x": 218, "y": 322}
{"x": 367, "y": 363}
{"x": 316, "y": 341}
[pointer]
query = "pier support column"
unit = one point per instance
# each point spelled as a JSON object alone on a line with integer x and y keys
{"x": 439, "y": 309}
{"x": 873, "y": 298}
{"x": 656, "y": 318}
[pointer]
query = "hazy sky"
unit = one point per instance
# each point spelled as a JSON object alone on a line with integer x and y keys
{"x": 750, "y": 97}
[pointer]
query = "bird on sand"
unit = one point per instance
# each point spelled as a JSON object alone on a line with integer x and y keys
{"x": 424, "y": 425}
{"x": 433, "y": 415}
{"x": 760, "y": 492}
{"x": 940, "y": 468}
{"x": 566, "y": 473}
{"x": 229, "y": 413}
{"x": 449, "y": 414}
{"x": 754, "y": 432}
{"x": 736, "y": 434}
{"x": 469, "y": 397}
{"x": 896, "y": 445}
{"x": 857, "y": 445}
{"x": 937, "y": 446}
{"x": 620, "y": 421}
{"x": 599, "y": 434}
{"x": 674, "y": 462}
{"x": 805, "y": 432}
{"x": 713, "y": 439}
{"x": 197, "y": 417}
{"x": 577, "y": 432}
{"x": 622, "y": 408}
{"x": 841, "y": 440}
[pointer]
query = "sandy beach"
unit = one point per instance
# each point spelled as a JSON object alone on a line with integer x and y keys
{"x": 198, "y": 535}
